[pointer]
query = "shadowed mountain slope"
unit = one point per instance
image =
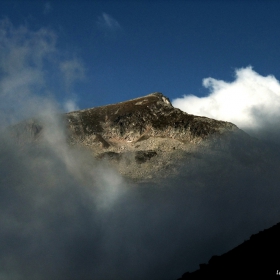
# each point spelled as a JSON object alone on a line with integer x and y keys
{"x": 256, "y": 257}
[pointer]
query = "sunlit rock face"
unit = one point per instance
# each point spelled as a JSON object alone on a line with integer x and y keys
{"x": 139, "y": 119}
{"x": 142, "y": 136}
{"x": 145, "y": 138}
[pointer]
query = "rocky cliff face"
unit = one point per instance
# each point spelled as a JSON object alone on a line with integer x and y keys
{"x": 140, "y": 119}
{"x": 142, "y": 136}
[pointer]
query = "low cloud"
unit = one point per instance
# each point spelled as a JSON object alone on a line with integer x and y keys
{"x": 70, "y": 106}
{"x": 65, "y": 215}
{"x": 251, "y": 101}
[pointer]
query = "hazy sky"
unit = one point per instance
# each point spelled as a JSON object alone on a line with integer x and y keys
{"x": 125, "y": 49}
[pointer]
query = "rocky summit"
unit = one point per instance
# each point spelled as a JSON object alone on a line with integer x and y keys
{"x": 143, "y": 136}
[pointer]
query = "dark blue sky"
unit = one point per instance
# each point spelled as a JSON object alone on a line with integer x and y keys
{"x": 132, "y": 48}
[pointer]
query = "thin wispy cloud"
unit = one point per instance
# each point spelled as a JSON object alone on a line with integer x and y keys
{"x": 23, "y": 57}
{"x": 32, "y": 67}
{"x": 70, "y": 106}
{"x": 108, "y": 25}
{"x": 72, "y": 70}
{"x": 108, "y": 22}
{"x": 47, "y": 8}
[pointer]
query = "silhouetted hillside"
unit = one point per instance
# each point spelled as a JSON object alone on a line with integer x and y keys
{"x": 257, "y": 257}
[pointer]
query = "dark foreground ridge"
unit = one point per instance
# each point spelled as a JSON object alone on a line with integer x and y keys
{"x": 257, "y": 257}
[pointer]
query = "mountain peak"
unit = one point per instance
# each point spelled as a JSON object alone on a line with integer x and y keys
{"x": 140, "y": 137}
{"x": 146, "y": 131}
{"x": 151, "y": 115}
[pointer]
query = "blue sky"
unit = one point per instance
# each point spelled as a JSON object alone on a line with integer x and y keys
{"x": 117, "y": 50}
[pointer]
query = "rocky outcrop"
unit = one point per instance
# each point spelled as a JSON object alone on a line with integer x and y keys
{"x": 139, "y": 119}
{"x": 142, "y": 136}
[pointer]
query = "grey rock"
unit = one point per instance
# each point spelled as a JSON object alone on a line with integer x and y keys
{"x": 146, "y": 133}
{"x": 142, "y": 138}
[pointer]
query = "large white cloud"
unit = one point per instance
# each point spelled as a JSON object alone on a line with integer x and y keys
{"x": 251, "y": 101}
